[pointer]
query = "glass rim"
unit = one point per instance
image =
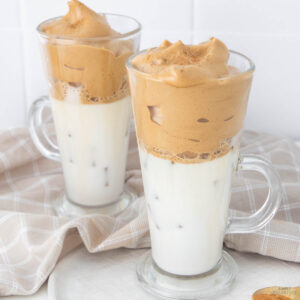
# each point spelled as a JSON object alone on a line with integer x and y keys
{"x": 130, "y": 33}
{"x": 251, "y": 68}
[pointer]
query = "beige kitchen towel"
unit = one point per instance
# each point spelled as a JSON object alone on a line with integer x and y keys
{"x": 33, "y": 238}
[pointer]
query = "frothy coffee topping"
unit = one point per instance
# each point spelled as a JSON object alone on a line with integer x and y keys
{"x": 80, "y": 22}
{"x": 189, "y": 103}
{"x": 94, "y": 66}
{"x": 184, "y": 66}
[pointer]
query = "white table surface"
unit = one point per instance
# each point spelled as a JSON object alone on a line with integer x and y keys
{"x": 111, "y": 275}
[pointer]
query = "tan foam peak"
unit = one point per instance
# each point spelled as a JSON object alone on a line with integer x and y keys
{"x": 182, "y": 65}
{"x": 80, "y": 22}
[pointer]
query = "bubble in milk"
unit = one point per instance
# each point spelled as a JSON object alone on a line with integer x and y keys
{"x": 202, "y": 120}
{"x": 194, "y": 140}
{"x": 187, "y": 155}
{"x": 204, "y": 155}
{"x": 229, "y": 118}
{"x": 75, "y": 84}
{"x": 155, "y": 114}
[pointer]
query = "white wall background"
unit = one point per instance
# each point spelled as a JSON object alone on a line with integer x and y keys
{"x": 268, "y": 31}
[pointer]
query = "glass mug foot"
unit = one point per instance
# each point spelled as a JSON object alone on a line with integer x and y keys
{"x": 66, "y": 208}
{"x": 168, "y": 286}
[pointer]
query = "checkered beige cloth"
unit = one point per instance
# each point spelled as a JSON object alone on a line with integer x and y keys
{"x": 33, "y": 238}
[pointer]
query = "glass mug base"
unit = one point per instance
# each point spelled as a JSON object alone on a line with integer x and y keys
{"x": 66, "y": 208}
{"x": 168, "y": 286}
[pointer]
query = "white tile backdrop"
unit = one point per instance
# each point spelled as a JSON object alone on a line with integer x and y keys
{"x": 268, "y": 31}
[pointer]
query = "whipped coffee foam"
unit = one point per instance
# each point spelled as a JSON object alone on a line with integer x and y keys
{"x": 88, "y": 53}
{"x": 188, "y": 102}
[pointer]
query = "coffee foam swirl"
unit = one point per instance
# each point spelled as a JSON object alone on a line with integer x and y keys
{"x": 191, "y": 117}
{"x": 97, "y": 67}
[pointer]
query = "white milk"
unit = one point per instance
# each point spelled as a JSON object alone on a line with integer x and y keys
{"x": 93, "y": 143}
{"x": 187, "y": 211}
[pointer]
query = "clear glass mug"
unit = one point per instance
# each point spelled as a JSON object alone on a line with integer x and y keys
{"x": 188, "y": 199}
{"x": 91, "y": 108}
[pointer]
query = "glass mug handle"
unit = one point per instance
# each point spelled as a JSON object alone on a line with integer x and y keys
{"x": 264, "y": 215}
{"x": 37, "y": 129}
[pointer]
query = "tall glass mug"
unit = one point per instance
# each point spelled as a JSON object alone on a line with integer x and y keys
{"x": 188, "y": 191}
{"x": 91, "y": 107}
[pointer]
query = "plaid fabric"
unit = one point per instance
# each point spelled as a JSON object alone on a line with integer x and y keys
{"x": 281, "y": 237}
{"x": 33, "y": 238}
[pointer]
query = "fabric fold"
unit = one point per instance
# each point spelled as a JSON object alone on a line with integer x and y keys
{"x": 33, "y": 238}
